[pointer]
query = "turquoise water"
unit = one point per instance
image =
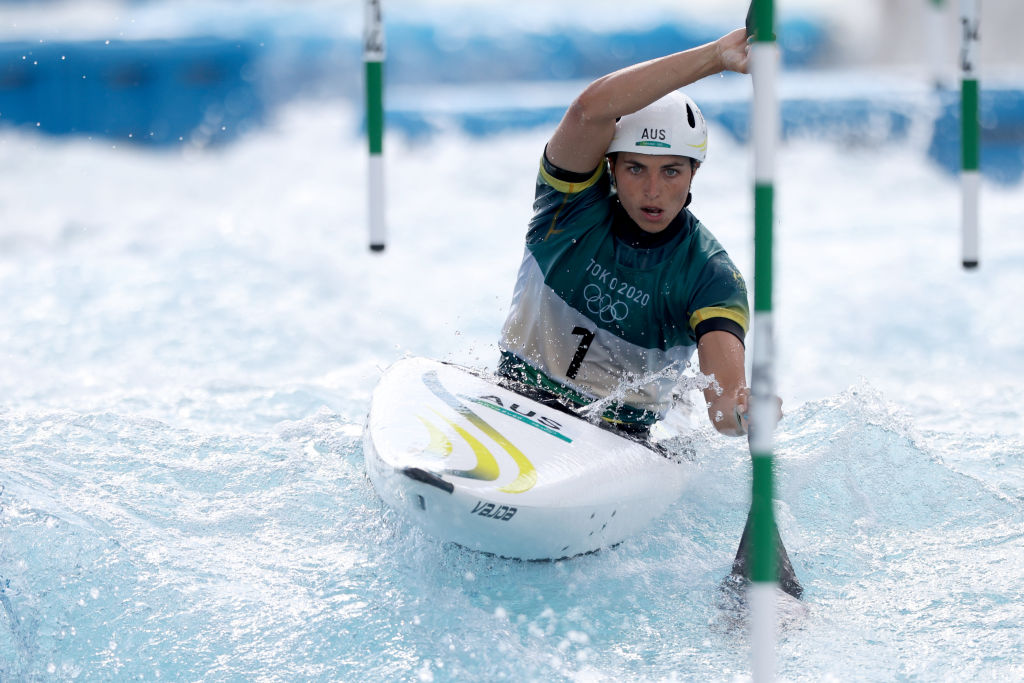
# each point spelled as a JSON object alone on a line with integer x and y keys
{"x": 190, "y": 340}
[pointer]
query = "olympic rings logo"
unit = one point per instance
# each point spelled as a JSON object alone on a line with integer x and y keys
{"x": 601, "y": 305}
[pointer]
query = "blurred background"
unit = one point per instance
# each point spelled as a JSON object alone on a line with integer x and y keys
{"x": 173, "y": 72}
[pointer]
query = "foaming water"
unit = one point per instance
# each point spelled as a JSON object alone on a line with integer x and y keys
{"x": 908, "y": 555}
{"x": 687, "y": 381}
{"x": 142, "y": 546}
{"x": 190, "y": 344}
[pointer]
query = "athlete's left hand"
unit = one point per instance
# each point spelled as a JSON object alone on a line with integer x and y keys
{"x": 741, "y": 412}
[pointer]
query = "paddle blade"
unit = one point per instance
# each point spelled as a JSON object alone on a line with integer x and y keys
{"x": 787, "y": 577}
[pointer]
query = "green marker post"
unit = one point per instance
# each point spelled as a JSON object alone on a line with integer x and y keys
{"x": 970, "y": 155}
{"x": 373, "y": 58}
{"x": 764, "y": 66}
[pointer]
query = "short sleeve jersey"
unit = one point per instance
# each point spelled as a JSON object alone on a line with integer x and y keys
{"x": 602, "y": 310}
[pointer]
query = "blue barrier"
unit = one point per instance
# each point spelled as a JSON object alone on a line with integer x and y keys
{"x": 419, "y": 53}
{"x": 860, "y": 119}
{"x": 151, "y": 91}
{"x": 211, "y": 90}
{"x": 1001, "y": 114}
{"x": 856, "y": 120}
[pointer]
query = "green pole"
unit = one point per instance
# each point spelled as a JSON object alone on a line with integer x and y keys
{"x": 970, "y": 132}
{"x": 764, "y": 66}
{"x": 373, "y": 58}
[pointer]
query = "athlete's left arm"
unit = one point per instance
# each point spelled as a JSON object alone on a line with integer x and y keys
{"x": 721, "y": 357}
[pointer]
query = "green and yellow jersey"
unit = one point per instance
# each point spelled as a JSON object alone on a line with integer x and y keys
{"x": 603, "y": 310}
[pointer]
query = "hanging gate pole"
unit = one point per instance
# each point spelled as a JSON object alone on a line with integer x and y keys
{"x": 970, "y": 177}
{"x": 937, "y": 43}
{"x": 373, "y": 58}
{"x": 764, "y": 61}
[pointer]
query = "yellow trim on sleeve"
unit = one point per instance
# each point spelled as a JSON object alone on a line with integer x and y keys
{"x": 570, "y": 188}
{"x": 718, "y": 312}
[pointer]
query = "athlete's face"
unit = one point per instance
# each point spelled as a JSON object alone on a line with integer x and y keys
{"x": 652, "y": 188}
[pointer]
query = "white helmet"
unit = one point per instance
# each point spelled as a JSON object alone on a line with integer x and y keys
{"x": 671, "y": 125}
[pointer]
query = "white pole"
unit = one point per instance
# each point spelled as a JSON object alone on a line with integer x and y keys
{"x": 970, "y": 131}
{"x": 937, "y": 42}
{"x": 764, "y": 67}
{"x": 373, "y": 57}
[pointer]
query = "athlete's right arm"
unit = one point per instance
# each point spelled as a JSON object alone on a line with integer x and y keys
{"x": 581, "y": 139}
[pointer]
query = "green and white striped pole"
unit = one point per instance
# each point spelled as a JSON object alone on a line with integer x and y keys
{"x": 970, "y": 152}
{"x": 373, "y": 58}
{"x": 764, "y": 67}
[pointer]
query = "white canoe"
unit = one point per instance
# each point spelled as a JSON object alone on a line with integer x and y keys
{"x": 476, "y": 464}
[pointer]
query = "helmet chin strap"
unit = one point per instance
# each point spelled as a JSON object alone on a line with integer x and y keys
{"x": 689, "y": 195}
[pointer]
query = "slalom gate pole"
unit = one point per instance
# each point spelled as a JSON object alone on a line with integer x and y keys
{"x": 970, "y": 146}
{"x": 373, "y": 58}
{"x": 937, "y": 42}
{"x": 764, "y": 66}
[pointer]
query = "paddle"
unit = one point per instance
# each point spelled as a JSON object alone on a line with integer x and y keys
{"x": 741, "y": 571}
{"x": 741, "y": 565}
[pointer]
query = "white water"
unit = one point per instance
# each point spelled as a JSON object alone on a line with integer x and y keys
{"x": 189, "y": 343}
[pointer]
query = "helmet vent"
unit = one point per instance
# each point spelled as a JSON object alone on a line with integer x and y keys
{"x": 689, "y": 117}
